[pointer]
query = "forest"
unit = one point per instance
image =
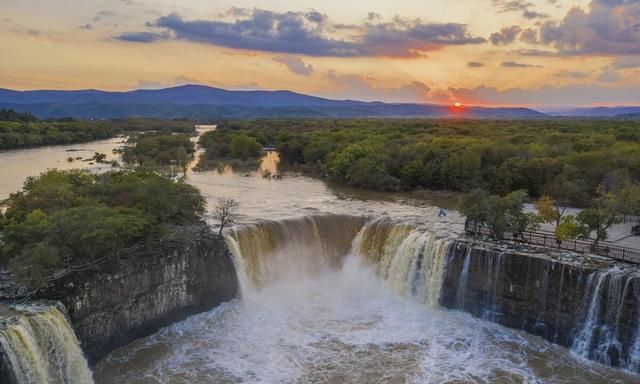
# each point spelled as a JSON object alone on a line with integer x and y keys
{"x": 73, "y": 217}
{"x": 158, "y": 149}
{"x": 22, "y": 130}
{"x": 499, "y": 156}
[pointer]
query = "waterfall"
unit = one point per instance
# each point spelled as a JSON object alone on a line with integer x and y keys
{"x": 591, "y": 310}
{"x": 601, "y": 336}
{"x": 40, "y": 347}
{"x": 268, "y": 250}
{"x": 410, "y": 260}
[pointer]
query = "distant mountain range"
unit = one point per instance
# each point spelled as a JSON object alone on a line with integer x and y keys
{"x": 202, "y": 102}
{"x": 622, "y": 112}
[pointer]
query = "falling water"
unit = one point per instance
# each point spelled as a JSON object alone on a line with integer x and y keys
{"x": 262, "y": 250}
{"x": 410, "y": 260}
{"x": 41, "y": 347}
{"x": 330, "y": 299}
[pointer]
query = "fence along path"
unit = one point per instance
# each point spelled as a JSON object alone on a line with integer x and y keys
{"x": 549, "y": 240}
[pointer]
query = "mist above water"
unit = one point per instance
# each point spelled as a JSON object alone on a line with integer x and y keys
{"x": 350, "y": 321}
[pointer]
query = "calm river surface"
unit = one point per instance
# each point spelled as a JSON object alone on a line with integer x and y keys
{"x": 341, "y": 326}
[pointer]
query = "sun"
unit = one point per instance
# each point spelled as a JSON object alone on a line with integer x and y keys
{"x": 457, "y": 105}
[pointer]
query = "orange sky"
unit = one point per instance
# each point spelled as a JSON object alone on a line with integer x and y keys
{"x": 492, "y": 52}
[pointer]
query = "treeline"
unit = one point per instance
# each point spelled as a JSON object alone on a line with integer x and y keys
{"x": 505, "y": 214}
{"x": 11, "y": 115}
{"x": 18, "y": 130}
{"x": 230, "y": 146}
{"x": 499, "y": 156}
{"x": 74, "y": 217}
{"x": 158, "y": 149}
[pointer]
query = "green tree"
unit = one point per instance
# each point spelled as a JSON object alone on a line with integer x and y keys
{"x": 245, "y": 147}
{"x": 183, "y": 159}
{"x": 570, "y": 229}
{"x": 475, "y": 208}
{"x": 602, "y": 216}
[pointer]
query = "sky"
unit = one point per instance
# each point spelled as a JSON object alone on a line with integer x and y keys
{"x": 539, "y": 53}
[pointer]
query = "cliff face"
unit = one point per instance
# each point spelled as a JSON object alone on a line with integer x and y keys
{"x": 157, "y": 285}
{"x": 592, "y": 308}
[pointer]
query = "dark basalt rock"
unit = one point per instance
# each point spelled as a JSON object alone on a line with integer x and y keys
{"x": 154, "y": 286}
{"x": 567, "y": 303}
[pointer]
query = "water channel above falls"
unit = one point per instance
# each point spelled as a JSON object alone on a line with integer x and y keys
{"x": 307, "y": 316}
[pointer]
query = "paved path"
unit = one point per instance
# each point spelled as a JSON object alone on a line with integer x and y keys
{"x": 619, "y": 234}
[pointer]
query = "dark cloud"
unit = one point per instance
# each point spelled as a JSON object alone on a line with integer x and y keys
{"x": 142, "y": 37}
{"x": 573, "y": 74}
{"x": 87, "y": 26}
{"x": 529, "y": 14}
{"x": 529, "y": 36}
{"x": 513, "y": 64}
{"x": 309, "y": 33}
{"x": 519, "y": 6}
{"x": 506, "y": 35}
{"x": 609, "y": 27}
{"x": 538, "y": 52}
{"x": 295, "y": 65}
{"x": 474, "y": 64}
{"x": 512, "y": 6}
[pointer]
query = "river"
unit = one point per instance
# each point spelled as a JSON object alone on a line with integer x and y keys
{"x": 335, "y": 325}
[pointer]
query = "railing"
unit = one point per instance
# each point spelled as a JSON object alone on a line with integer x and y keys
{"x": 633, "y": 219}
{"x": 549, "y": 240}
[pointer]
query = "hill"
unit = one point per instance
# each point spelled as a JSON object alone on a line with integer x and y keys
{"x": 202, "y": 102}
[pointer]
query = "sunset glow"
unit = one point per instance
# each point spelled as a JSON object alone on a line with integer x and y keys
{"x": 538, "y": 53}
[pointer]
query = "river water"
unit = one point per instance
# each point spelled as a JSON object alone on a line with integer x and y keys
{"x": 340, "y": 324}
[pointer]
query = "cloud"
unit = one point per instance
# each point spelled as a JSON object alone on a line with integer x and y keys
{"x": 609, "y": 75}
{"x": 102, "y": 15}
{"x": 142, "y": 37}
{"x": 608, "y": 27}
{"x": 474, "y": 64}
{"x": 179, "y": 80}
{"x": 87, "y": 26}
{"x": 548, "y": 95}
{"x": 295, "y": 65}
{"x": 361, "y": 87}
{"x": 310, "y": 33}
{"x": 573, "y": 74}
{"x": 506, "y": 35}
{"x": 626, "y": 62}
{"x": 529, "y": 36}
{"x": 519, "y": 6}
{"x": 528, "y": 14}
{"x": 513, "y": 64}
{"x": 512, "y": 6}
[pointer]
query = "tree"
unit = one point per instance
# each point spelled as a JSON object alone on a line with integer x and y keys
{"x": 570, "y": 229}
{"x": 629, "y": 198}
{"x": 182, "y": 158}
{"x": 226, "y": 211}
{"x": 474, "y": 206}
{"x": 602, "y": 216}
{"x": 499, "y": 214}
{"x": 549, "y": 210}
{"x": 245, "y": 147}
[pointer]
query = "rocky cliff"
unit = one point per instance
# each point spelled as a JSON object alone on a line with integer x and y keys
{"x": 187, "y": 272}
{"x": 589, "y": 305}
